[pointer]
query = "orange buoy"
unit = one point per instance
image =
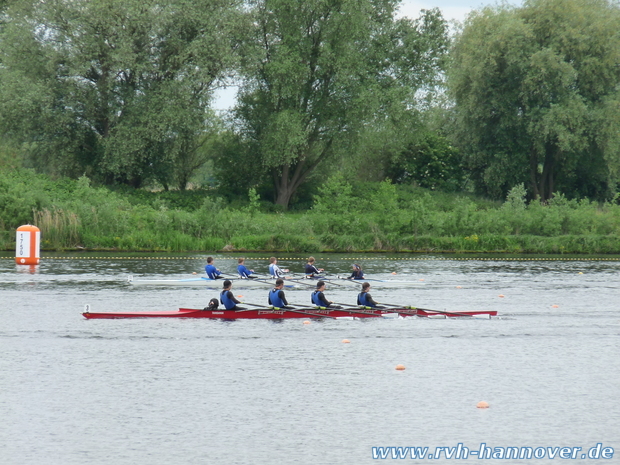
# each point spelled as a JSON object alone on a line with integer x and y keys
{"x": 482, "y": 404}
{"x": 28, "y": 245}
{"x": 501, "y": 295}
{"x": 400, "y": 367}
{"x": 306, "y": 322}
{"x": 459, "y": 287}
{"x": 393, "y": 272}
{"x": 422, "y": 279}
{"x": 555, "y": 306}
{"x": 346, "y": 341}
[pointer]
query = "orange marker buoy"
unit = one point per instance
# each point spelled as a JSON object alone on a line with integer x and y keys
{"x": 28, "y": 245}
{"x": 306, "y": 322}
{"x": 422, "y": 279}
{"x": 501, "y": 295}
{"x": 346, "y": 341}
{"x": 459, "y": 287}
{"x": 194, "y": 272}
{"x": 393, "y": 272}
{"x": 555, "y": 306}
{"x": 482, "y": 404}
{"x": 239, "y": 296}
{"x": 400, "y": 367}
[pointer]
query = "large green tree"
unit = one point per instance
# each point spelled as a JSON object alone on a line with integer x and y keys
{"x": 537, "y": 93}
{"x": 115, "y": 88}
{"x": 319, "y": 72}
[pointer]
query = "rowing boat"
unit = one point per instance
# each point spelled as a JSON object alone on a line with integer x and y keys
{"x": 211, "y": 283}
{"x": 283, "y": 314}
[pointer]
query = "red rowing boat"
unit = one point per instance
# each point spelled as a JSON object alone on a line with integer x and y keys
{"x": 284, "y": 314}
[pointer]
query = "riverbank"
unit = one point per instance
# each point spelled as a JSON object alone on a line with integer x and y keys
{"x": 73, "y": 215}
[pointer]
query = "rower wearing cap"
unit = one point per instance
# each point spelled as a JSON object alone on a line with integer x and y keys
{"x": 276, "y": 295}
{"x": 311, "y": 270}
{"x": 227, "y": 298}
{"x": 365, "y": 299}
{"x": 357, "y": 272}
{"x": 318, "y": 298}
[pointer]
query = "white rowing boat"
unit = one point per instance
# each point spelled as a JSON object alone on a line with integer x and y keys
{"x": 211, "y": 283}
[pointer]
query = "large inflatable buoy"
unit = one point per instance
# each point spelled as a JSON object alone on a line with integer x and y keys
{"x": 28, "y": 245}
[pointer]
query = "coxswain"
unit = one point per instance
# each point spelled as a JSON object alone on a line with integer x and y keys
{"x": 212, "y": 271}
{"x": 276, "y": 295}
{"x": 274, "y": 270}
{"x": 318, "y": 298}
{"x": 364, "y": 299}
{"x": 227, "y": 298}
{"x": 357, "y": 272}
{"x": 311, "y": 269}
{"x": 243, "y": 271}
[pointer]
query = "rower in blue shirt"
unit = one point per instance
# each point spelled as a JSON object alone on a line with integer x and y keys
{"x": 276, "y": 295}
{"x": 211, "y": 270}
{"x": 319, "y": 299}
{"x": 227, "y": 297}
{"x": 243, "y": 271}
{"x": 365, "y": 299}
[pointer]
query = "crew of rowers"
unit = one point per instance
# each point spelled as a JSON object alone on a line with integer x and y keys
{"x": 276, "y": 295}
{"x": 275, "y": 271}
{"x": 277, "y": 298}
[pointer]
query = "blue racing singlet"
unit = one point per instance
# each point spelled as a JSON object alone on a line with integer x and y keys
{"x": 361, "y": 298}
{"x": 275, "y": 299}
{"x": 316, "y": 299}
{"x": 226, "y": 300}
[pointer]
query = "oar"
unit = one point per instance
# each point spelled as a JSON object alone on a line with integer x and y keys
{"x": 290, "y": 310}
{"x": 427, "y": 310}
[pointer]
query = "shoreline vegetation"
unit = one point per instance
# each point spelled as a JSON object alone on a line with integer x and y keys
{"x": 380, "y": 217}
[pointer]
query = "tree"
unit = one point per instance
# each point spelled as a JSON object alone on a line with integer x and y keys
{"x": 430, "y": 161}
{"x": 536, "y": 92}
{"x": 116, "y": 89}
{"x": 318, "y": 72}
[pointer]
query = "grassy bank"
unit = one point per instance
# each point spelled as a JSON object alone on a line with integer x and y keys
{"x": 370, "y": 218}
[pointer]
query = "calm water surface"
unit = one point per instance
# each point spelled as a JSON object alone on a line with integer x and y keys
{"x": 74, "y": 391}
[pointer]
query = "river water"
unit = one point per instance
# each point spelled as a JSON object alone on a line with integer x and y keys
{"x": 173, "y": 391}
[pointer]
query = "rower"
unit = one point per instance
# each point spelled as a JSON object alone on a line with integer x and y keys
{"x": 228, "y": 299}
{"x": 312, "y": 270}
{"x": 211, "y": 270}
{"x": 365, "y": 299}
{"x": 274, "y": 270}
{"x": 276, "y": 295}
{"x": 318, "y": 298}
{"x": 244, "y": 273}
{"x": 357, "y": 272}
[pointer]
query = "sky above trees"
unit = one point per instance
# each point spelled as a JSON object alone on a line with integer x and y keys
{"x": 452, "y": 10}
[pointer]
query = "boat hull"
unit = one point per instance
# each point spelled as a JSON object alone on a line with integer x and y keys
{"x": 281, "y": 314}
{"x": 210, "y": 283}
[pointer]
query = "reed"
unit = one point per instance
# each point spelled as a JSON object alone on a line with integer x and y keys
{"x": 74, "y": 214}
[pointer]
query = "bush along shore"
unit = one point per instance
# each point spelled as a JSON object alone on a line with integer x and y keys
{"x": 382, "y": 217}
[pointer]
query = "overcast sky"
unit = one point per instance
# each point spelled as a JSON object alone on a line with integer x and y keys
{"x": 451, "y": 9}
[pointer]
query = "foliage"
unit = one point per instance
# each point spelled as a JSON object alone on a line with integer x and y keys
{"x": 317, "y": 73}
{"x": 537, "y": 92}
{"x": 429, "y": 161}
{"x": 115, "y": 89}
{"x": 346, "y": 217}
